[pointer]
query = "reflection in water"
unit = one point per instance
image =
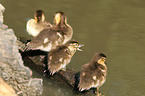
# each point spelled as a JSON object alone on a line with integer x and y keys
{"x": 113, "y": 27}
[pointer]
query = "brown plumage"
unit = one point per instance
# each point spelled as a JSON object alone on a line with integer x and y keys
{"x": 93, "y": 74}
{"x": 60, "y": 57}
{"x": 49, "y": 38}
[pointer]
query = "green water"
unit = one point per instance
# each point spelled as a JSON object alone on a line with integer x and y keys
{"x": 114, "y": 27}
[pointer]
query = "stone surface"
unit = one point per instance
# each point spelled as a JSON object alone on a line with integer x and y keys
{"x": 5, "y": 89}
{"x": 12, "y": 69}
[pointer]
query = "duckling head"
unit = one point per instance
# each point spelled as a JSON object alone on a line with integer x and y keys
{"x": 59, "y": 18}
{"x": 73, "y": 46}
{"x": 39, "y": 16}
{"x": 99, "y": 58}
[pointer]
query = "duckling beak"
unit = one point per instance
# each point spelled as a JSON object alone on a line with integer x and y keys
{"x": 79, "y": 47}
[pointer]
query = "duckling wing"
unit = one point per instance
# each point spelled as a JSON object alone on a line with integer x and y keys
{"x": 47, "y": 37}
{"x": 39, "y": 40}
{"x": 88, "y": 78}
{"x": 58, "y": 59}
{"x": 85, "y": 80}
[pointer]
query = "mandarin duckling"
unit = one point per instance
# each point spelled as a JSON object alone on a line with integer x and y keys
{"x": 93, "y": 74}
{"x": 51, "y": 37}
{"x": 60, "y": 57}
{"x": 34, "y": 26}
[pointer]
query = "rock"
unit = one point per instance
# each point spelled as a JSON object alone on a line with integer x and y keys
{"x": 11, "y": 65}
{"x": 6, "y": 90}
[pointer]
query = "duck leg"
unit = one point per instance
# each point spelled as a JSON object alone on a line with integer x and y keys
{"x": 46, "y": 72}
{"x": 97, "y": 91}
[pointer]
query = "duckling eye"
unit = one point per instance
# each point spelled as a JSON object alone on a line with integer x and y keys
{"x": 104, "y": 59}
{"x": 76, "y": 45}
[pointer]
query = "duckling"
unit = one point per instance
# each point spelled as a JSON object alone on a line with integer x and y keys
{"x": 93, "y": 74}
{"x": 50, "y": 37}
{"x": 34, "y": 26}
{"x": 60, "y": 57}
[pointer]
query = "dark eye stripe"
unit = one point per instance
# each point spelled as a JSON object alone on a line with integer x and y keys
{"x": 104, "y": 58}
